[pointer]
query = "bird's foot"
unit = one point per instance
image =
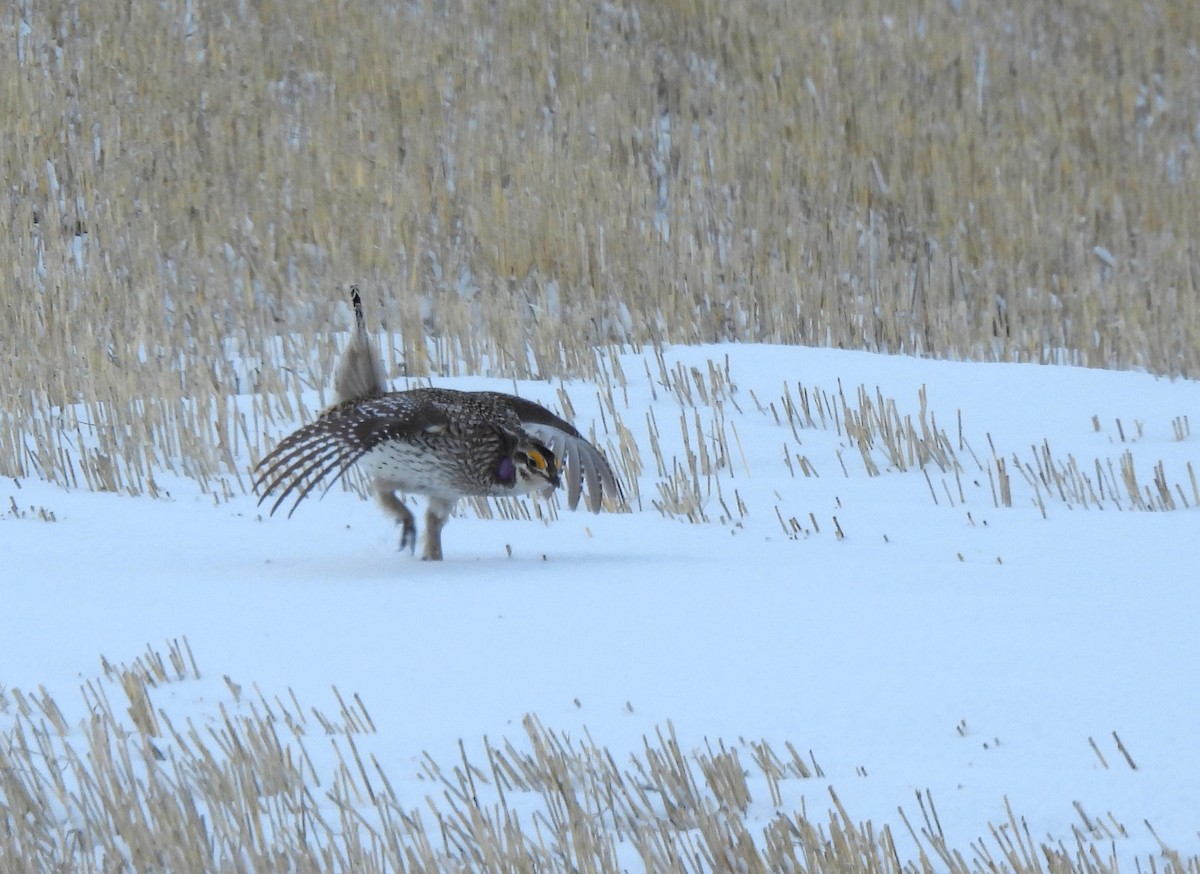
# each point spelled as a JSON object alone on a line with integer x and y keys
{"x": 408, "y": 535}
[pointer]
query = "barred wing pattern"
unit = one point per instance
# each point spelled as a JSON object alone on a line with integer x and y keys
{"x": 332, "y": 444}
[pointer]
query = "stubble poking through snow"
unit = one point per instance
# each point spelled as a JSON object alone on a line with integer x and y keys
{"x": 980, "y": 599}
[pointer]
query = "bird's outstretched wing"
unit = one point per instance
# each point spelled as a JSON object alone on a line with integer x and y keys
{"x": 302, "y": 461}
{"x": 322, "y": 451}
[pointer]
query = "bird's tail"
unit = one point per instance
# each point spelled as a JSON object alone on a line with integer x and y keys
{"x": 359, "y": 374}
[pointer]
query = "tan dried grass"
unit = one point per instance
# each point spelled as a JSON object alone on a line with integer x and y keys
{"x": 188, "y": 188}
{"x": 522, "y": 185}
{"x": 237, "y": 790}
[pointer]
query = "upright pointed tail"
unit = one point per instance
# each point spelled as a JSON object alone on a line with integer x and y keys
{"x": 360, "y": 372}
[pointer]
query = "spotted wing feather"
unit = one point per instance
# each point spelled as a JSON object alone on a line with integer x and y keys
{"x": 322, "y": 451}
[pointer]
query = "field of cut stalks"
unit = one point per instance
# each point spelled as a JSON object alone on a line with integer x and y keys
{"x": 246, "y": 792}
{"x": 518, "y": 187}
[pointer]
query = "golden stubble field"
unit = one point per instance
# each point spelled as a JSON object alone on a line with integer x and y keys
{"x": 189, "y": 187}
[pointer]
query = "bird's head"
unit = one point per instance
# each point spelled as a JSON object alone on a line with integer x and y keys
{"x": 530, "y": 467}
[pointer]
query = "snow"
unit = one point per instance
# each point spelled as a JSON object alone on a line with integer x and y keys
{"x": 956, "y": 647}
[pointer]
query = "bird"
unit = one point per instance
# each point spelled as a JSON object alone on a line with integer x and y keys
{"x": 441, "y": 443}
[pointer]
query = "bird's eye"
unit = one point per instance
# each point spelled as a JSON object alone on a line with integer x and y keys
{"x": 538, "y": 460}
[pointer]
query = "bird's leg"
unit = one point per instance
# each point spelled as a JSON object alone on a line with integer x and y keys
{"x": 403, "y": 516}
{"x": 436, "y": 514}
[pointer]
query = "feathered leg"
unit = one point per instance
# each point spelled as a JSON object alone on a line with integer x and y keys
{"x": 403, "y": 515}
{"x": 436, "y": 514}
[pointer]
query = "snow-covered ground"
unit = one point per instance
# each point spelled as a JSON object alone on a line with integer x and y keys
{"x": 904, "y": 628}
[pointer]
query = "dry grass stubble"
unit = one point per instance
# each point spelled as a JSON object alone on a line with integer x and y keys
{"x": 523, "y": 184}
{"x": 189, "y": 187}
{"x": 128, "y": 788}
